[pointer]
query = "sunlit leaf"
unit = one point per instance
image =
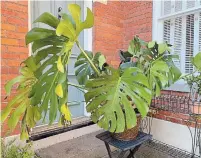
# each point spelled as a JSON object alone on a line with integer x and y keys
{"x": 108, "y": 96}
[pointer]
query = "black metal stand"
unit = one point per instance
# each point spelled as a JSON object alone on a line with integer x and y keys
{"x": 122, "y": 153}
{"x": 125, "y": 146}
{"x": 196, "y": 137}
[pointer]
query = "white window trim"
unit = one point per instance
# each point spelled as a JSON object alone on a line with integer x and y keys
{"x": 157, "y": 31}
{"x": 88, "y": 42}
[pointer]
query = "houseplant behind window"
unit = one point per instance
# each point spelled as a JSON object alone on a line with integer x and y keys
{"x": 110, "y": 93}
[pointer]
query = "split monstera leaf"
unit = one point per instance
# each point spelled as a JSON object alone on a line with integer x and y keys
{"x": 51, "y": 51}
{"x": 43, "y": 89}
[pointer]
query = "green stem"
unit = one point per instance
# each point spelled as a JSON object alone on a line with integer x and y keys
{"x": 89, "y": 60}
{"x": 188, "y": 74}
{"x": 75, "y": 85}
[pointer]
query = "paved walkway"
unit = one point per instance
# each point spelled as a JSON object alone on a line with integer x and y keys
{"x": 88, "y": 146}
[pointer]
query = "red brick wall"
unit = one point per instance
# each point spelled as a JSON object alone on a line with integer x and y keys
{"x": 116, "y": 24}
{"x": 108, "y": 30}
{"x": 137, "y": 21}
{"x": 14, "y": 25}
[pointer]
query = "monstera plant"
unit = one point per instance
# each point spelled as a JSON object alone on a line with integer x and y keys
{"x": 42, "y": 86}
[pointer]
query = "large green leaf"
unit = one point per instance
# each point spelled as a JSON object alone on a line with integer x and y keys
{"x": 135, "y": 45}
{"x": 156, "y": 62}
{"x": 83, "y": 68}
{"x": 108, "y": 99}
{"x": 38, "y": 34}
{"x": 19, "y": 104}
{"x": 158, "y": 75}
{"x": 196, "y": 61}
{"x": 66, "y": 26}
{"x": 48, "y": 19}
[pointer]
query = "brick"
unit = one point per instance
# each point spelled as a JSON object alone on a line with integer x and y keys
{"x": 180, "y": 116}
{"x": 3, "y": 33}
{"x": 12, "y": 13}
{"x": 25, "y": 3}
{"x": 166, "y": 113}
{"x": 8, "y": 41}
{"x": 18, "y": 49}
{"x": 7, "y": 27}
{"x": 17, "y": 7}
{"x": 4, "y": 70}
{"x": 174, "y": 120}
{"x": 22, "y": 43}
{"x": 14, "y": 62}
{"x": 10, "y": 56}
{"x": 3, "y": 48}
{"x": 20, "y": 22}
{"x": 3, "y": 62}
{"x": 13, "y": 70}
{"x": 22, "y": 29}
{"x": 159, "y": 116}
{"x": 4, "y": 19}
{"x": 15, "y": 35}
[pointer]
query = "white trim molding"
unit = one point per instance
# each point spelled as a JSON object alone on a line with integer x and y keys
{"x": 88, "y": 43}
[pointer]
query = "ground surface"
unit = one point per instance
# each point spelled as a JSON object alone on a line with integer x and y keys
{"x": 88, "y": 146}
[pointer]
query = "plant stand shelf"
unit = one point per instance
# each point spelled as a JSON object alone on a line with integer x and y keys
{"x": 131, "y": 146}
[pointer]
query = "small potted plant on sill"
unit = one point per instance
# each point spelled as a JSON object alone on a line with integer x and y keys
{"x": 145, "y": 69}
{"x": 194, "y": 82}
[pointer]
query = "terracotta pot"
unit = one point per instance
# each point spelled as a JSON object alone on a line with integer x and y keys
{"x": 196, "y": 108}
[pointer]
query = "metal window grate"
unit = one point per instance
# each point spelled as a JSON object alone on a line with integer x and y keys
{"x": 168, "y": 149}
{"x": 177, "y": 102}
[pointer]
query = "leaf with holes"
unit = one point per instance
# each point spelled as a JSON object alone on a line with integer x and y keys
{"x": 107, "y": 99}
{"x": 84, "y": 70}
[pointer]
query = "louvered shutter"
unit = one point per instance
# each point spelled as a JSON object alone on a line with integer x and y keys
{"x": 178, "y": 40}
{"x": 166, "y": 7}
{"x": 190, "y": 3}
{"x": 189, "y": 42}
{"x": 178, "y": 5}
{"x": 200, "y": 32}
{"x": 166, "y": 31}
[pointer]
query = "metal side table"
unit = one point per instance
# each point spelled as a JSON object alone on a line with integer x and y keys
{"x": 124, "y": 146}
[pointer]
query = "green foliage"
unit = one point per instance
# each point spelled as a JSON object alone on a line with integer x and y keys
{"x": 156, "y": 62}
{"x": 21, "y": 102}
{"x": 145, "y": 69}
{"x": 194, "y": 79}
{"x": 196, "y": 61}
{"x": 108, "y": 98}
{"x": 84, "y": 70}
{"x": 39, "y": 89}
{"x": 10, "y": 150}
{"x": 51, "y": 88}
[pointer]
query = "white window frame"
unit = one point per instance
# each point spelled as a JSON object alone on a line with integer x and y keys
{"x": 157, "y": 33}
